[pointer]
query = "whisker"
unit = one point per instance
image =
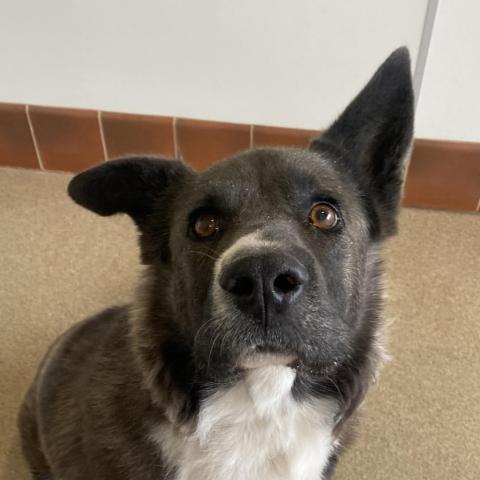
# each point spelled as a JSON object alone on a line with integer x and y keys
{"x": 199, "y": 252}
{"x": 204, "y": 325}
{"x": 336, "y": 388}
{"x": 211, "y": 250}
{"x": 211, "y": 350}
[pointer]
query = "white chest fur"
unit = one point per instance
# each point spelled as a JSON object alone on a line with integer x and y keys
{"x": 253, "y": 431}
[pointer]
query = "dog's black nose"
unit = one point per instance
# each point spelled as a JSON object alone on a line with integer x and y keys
{"x": 264, "y": 284}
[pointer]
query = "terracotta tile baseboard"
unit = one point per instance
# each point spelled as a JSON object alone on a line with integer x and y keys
{"x": 17, "y": 147}
{"x": 444, "y": 175}
{"x": 441, "y": 174}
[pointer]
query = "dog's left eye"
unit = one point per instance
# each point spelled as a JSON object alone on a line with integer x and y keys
{"x": 205, "y": 225}
{"x": 323, "y": 216}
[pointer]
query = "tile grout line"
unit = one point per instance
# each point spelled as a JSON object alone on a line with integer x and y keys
{"x": 34, "y": 138}
{"x": 175, "y": 138}
{"x": 251, "y": 135}
{"x": 102, "y": 135}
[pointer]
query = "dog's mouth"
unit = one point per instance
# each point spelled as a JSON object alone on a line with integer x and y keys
{"x": 260, "y": 360}
{"x": 260, "y": 356}
{"x": 264, "y": 355}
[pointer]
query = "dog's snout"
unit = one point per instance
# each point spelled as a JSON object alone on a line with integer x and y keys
{"x": 260, "y": 283}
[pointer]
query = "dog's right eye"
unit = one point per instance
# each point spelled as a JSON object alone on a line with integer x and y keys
{"x": 205, "y": 225}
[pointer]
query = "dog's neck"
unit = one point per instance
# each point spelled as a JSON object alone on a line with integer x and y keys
{"x": 254, "y": 429}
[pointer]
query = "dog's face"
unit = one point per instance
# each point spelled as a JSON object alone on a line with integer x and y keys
{"x": 269, "y": 254}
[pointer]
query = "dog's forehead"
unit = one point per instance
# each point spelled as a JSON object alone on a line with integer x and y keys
{"x": 268, "y": 175}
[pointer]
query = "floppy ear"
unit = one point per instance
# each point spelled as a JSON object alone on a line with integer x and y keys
{"x": 373, "y": 136}
{"x": 127, "y": 185}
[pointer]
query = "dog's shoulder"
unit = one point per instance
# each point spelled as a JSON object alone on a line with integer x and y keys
{"x": 82, "y": 341}
{"x": 72, "y": 358}
{"x": 90, "y": 378}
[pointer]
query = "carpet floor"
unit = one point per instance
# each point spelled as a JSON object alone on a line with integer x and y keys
{"x": 60, "y": 263}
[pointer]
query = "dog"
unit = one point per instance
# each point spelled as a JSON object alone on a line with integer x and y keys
{"x": 257, "y": 326}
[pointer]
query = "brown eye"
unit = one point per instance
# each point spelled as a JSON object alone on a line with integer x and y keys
{"x": 206, "y": 225}
{"x": 323, "y": 216}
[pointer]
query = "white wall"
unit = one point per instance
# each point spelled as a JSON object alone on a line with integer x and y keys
{"x": 449, "y": 103}
{"x": 280, "y": 62}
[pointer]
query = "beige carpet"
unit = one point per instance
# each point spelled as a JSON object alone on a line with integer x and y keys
{"x": 60, "y": 263}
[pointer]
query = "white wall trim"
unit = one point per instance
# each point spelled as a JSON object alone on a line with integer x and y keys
{"x": 424, "y": 47}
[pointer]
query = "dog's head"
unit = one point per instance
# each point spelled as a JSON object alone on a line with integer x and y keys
{"x": 272, "y": 251}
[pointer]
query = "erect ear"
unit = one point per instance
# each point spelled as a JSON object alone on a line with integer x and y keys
{"x": 128, "y": 185}
{"x": 373, "y": 137}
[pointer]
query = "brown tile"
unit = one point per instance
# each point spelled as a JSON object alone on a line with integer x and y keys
{"x": 285, "y": 137}
{"x": 125, "y": 134}
{"x": 444, "y": 175}
{"x": 67, "y": 139}
{"x": 202, "y": 143}
{"x": 16, "y": 143}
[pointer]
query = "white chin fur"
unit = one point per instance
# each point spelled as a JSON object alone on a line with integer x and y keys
{"x": 257, "y": 360}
